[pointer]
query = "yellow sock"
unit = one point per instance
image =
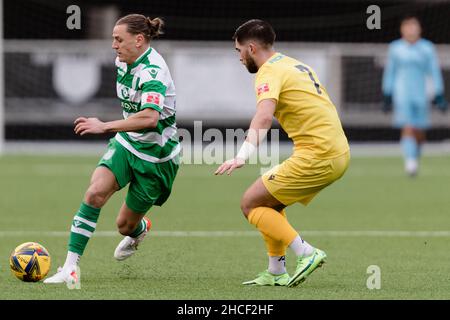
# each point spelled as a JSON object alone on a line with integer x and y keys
{"x": 275, "y": 248}
{"x": 272, "y": 224}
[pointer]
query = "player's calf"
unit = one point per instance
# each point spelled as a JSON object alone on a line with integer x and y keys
{"x": 128, "y": 246}
{"x": 126, "y": 228}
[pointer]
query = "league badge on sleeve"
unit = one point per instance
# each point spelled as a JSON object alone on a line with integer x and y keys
{"x": 153, "y": 98}
{"x": 262, "y": 88}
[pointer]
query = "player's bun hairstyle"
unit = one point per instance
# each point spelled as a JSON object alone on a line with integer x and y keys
{"x": 255, "y": 29}
{"x": 137, "y": 23}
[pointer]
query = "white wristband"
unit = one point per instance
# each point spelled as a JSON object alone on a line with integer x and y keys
{"x": 246, "y": 150}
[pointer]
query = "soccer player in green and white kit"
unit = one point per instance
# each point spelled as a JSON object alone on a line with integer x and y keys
{"x": 143, "y": 153}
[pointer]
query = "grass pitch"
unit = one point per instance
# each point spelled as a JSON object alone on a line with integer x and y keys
{"x": 40, "y": 195}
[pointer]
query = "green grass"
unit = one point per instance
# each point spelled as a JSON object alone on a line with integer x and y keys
{"x": 42, "y": 194}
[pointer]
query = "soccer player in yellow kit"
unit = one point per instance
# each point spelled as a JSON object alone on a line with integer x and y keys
{"x": 289, "y": 90}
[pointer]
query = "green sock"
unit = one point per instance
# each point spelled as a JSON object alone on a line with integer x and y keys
{"x": 83, "y": 226}
{"x": 139, "y": 229}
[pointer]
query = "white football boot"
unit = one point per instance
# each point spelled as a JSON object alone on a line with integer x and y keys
{"x": 128, "y": 246}
{"x": 411, "y": 167}
{"x": 69, "y": 275}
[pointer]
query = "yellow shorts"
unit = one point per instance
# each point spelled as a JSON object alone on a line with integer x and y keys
{"x": 299, "y": 179}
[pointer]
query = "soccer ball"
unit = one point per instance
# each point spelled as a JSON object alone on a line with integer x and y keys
{"x": 30, "y": 262}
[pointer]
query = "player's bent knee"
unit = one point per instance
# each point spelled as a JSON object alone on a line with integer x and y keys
{"x": 246, "y": 207}
{"x": 94, "y": 197}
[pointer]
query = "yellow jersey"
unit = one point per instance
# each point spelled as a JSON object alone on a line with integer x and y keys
{"x": 304, "y": 109}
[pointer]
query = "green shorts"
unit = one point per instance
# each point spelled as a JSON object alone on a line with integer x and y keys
{"x": 150, "y": 183}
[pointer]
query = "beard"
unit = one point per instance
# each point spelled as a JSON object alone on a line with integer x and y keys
{"x": 251, "y": 65}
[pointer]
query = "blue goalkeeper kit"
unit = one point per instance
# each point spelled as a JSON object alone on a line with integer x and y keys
{"x": 404, "y": 80}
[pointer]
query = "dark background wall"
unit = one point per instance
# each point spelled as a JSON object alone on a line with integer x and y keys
{"x": 340, "y": 21}
{"x": 294, "y": 20}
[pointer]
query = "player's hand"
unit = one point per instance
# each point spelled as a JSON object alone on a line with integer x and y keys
{"x": 387, "y": 103}
{"x": 229, "y": 166}
{"x": 440, "y": 102}
{"x": 89, "y": 125}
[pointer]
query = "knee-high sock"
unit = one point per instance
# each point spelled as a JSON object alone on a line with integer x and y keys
{"x": 272, "y": 224}
{"x": 83, "y": 226}
{"x": 410, "y": 148}
{"x": 275, "y": 248}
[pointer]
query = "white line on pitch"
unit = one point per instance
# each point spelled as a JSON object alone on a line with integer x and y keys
{"x": 215, "y": 234}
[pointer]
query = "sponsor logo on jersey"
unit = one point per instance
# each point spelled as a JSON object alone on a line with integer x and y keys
{"x": 125, "y": 93}
{"x": 262, "y": 88}
{"x": 153, "y": 98}
{"x": 120, "y": 72}
{"x": 129, "y": 107}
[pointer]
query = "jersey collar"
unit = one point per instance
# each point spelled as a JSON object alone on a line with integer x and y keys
{"x": 141, "y": 57}
{"x": 272, "y": 58}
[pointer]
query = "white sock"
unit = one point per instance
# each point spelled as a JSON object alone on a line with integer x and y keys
{"x": 277, "y": 264}
{"x": 301, "y": 247}
{"x": 72, "y": 259}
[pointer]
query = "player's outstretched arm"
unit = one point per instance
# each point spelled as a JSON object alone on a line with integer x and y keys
{"x": 261, "y": 123}
{"x": 145, "y": 119}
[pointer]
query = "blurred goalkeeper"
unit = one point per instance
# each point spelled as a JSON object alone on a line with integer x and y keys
{"x": 289, "y": 90}
{"x": 410, "y": 60}
{"x": 144, "y": 152}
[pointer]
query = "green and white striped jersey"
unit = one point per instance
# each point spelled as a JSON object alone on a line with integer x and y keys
{"x": 147, "y": 83}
